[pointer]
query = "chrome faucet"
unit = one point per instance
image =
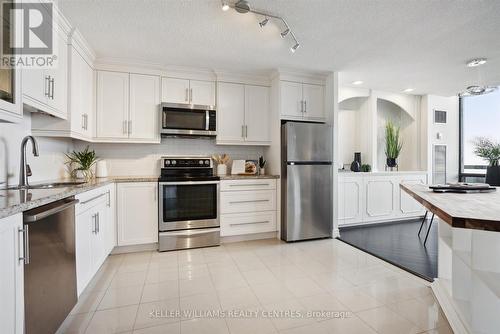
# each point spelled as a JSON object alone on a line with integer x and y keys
{"x": 24, "y": 170}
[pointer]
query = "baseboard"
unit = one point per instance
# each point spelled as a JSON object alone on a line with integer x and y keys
{"x": 249, "y": 237}
{"x": 446, "y": 303}
{"x": 135, "y": 248}
{"x": 381, "y": 222}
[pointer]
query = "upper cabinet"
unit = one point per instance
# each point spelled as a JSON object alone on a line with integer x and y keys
{"x": 242, "y": 114}
{"x": 46, "y": 89}
{"x": 127, "y": 107}
{"x": 186, "y": 91}
{"x": 302, "y": 101}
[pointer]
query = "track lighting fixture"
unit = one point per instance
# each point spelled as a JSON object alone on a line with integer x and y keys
{"x": 263, "y": 22}
{"x": 225, "y": 6}
{"x": 285, "y": 32}
{"x": 295, "y": 47}
{"x": 477, "y": 89}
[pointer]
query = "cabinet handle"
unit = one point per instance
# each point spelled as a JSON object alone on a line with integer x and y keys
{"x": 243, "y": 131}
{"x": 52, "y": 85}
{"x": 86, "y": 118}
{"x": 93, "y": 198}
{"x": 129, "y": 127}
{"x": 94, "y": 225}
{"x": 98, "y": 222}
{"x": 249, "y": 184}
{"x": 26, "y": 248}
{"x": 252, "y": 201}
{"x": 246, "y": 131}
{"x": 83, "y": 121}
{"x": 109, "y": 199}
{"x": 191, "y": 95}
{"x": 251, "y": 223}
{"x": 125, "y": 127}
{"x": 187, "y": 95}
{"x": 47, "y": 86}
{"x": 305, "y": 105}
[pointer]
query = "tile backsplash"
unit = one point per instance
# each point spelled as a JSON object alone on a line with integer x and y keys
{"x": 142, "y": 159}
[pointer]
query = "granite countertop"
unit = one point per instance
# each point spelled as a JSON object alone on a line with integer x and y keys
{"x": 15, "y": 201}
{"x": 379, "y": 173}
{"x": 248, "y": 177}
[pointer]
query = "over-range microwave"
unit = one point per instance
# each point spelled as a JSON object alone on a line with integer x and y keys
{"x": 188, "y": 120}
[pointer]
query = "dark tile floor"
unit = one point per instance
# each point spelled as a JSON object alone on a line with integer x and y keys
{"x": 398, "y": 244}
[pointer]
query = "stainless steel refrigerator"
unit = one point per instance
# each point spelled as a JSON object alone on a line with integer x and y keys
{"x": 306, "y": 181}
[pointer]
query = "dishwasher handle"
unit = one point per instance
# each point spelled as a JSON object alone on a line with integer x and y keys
{"x": 29, "y": 218}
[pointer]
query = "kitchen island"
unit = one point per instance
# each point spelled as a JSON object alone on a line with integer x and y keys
{"x": 468, "y": 284}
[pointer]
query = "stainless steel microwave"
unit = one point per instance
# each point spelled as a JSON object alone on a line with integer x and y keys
{"x": 188, "y": 120}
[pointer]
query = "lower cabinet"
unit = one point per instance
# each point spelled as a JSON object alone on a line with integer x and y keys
{"x": 372, "y": 197}
{"x": 137, "y": 213}
{"x": 247, "y": 206}
{"x": 12, "y": 275}
{"x": 95, "y": 232}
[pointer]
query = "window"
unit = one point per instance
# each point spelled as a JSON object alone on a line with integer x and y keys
{"x": 479, "y": 117}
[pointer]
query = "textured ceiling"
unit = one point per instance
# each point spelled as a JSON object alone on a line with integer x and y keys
{"x": 389, "y": 44}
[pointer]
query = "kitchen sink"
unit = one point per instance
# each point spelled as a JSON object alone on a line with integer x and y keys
{"x": 47, "y": 185}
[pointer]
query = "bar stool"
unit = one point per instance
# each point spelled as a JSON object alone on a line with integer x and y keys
{"x": 422, "y": 225}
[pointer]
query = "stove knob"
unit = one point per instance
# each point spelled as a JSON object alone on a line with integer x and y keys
{"x": 167, "y": 162}
{"x": 174, "y": 162}
{"x": 200, "y": 162}
{"x": 207, "y": 162}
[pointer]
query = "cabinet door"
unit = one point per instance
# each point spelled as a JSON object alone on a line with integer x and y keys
{"x": 144, "y": 107}
{"x": 257, "y": 114}
{"x": 12, "y": 275}
{"x": 408, "y": 206}
{"x": 381, "y": 193}
{"x": 314, "y": 106}
{"x": 175, "y": 90}
{"x": 59, "y": 77}
{"x": 109, "y": 226}
{"x": 291, "y": 99}
{"x": 77, "y": 92}
{"x": 98, "y": 243}
{"x": 112, "y": 104}
{"x": 84, "y": 226}
{"x": 35, "y": 84}
{"x": 230, "y": 112}
{"x": 88, "y": 102}
{"x": 202, "y": 92}
{"x": 137, "y": 213}
{"x": 350, "y": 200}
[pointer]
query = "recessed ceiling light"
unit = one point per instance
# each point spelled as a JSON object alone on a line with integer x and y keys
{"x": 408, "y": 90}
{"x": 476, "y": 62}
{"x": 357, "y": 82}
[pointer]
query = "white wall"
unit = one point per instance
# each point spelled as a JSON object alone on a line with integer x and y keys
{"x": 449, "y": 131}
{"x": 50, "y": 163}
{"x": 143, "y": 159}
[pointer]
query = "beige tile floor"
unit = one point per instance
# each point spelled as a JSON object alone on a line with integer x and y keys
{"x": 258, "y": 276}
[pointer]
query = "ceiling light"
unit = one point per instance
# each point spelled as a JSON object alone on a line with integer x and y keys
{"x": 242, "y": 7}
{"x": 295, "y": 47}
{"x": 285, "y": 32}
{"x": 357, "y": 82}
{"x": 478, "y": 90}
{"x": 263, "y": 22}
{"x": 476, "y": 62}
{"x": 408, "y": 90}
{"x": 225, "y": 6}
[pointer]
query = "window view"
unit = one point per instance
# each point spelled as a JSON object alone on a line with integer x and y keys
{"x": 480, "y": 118}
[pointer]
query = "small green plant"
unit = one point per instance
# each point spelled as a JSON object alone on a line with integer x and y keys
{"x": 262, "y": 162}
{"x": 393, "y": 142}
{"x": 366, "y": 168}
{"x": 82, "y": 161}
{"x": 487, "y": 149}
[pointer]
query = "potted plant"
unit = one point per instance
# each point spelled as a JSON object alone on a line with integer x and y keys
{"x": 262, "y": 165}
{"x": 81, "y": 163}
{"x": 489, "y": 150}
{"x": 393, "y": 144}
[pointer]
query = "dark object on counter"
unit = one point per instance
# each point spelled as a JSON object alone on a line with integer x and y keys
{"x": 391, "y": 162}
{"x": 366, "y": 168}
{"x": 356, "y": 164}
{"x": 493, "y": 175}
{"x": 462, "y": 188}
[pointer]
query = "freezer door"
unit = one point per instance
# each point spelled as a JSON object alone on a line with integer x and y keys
{"x": 308, "y": 199}
{"x": 308, "y": 142}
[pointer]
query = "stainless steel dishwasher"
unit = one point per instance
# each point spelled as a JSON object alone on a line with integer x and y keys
{"x": 49, "y": 265}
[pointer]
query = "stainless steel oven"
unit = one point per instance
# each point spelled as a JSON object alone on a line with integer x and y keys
{"x": 188, "y": 214}
{"x": 188, "y": 120}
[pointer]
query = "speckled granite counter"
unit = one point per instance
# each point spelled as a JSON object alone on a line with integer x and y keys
{"x": 15, "y": 201}
{"x": 248, "y": 177}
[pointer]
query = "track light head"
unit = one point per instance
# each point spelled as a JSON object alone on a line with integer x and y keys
{"x": 295, "y": 47}
{"x": 225, "y": 6}
{"x": 242, "y": 7}
{"x": 263, "y": 22}
{"x": 285, "y": 32}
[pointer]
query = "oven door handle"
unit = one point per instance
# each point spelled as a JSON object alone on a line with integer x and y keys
{"x": 180, "y": 183}
{"x": 187, "y": 233}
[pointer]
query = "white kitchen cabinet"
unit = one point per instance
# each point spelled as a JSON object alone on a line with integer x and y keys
{"x": 376, "y": 197}
{"x": 186, "y": 91}
{"x": 257, "y": 118}
{"x": 144, "y": 107}
{"x": 137, "y": 213}
{"x": 112, "y": 114}
{"x": 243, "y": 114}
{"x": 11, "y": 108}
{"x": 248, "y": 206}
{"x": 94, "y": 232}
{"x": 230, "y": 113}
{"x": 12, "y": 275}
{"x": 46, "y": 89}
{"x": 302, "y": 101}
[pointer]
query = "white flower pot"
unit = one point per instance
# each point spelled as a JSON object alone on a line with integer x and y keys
{"x": 221, "y": 170}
